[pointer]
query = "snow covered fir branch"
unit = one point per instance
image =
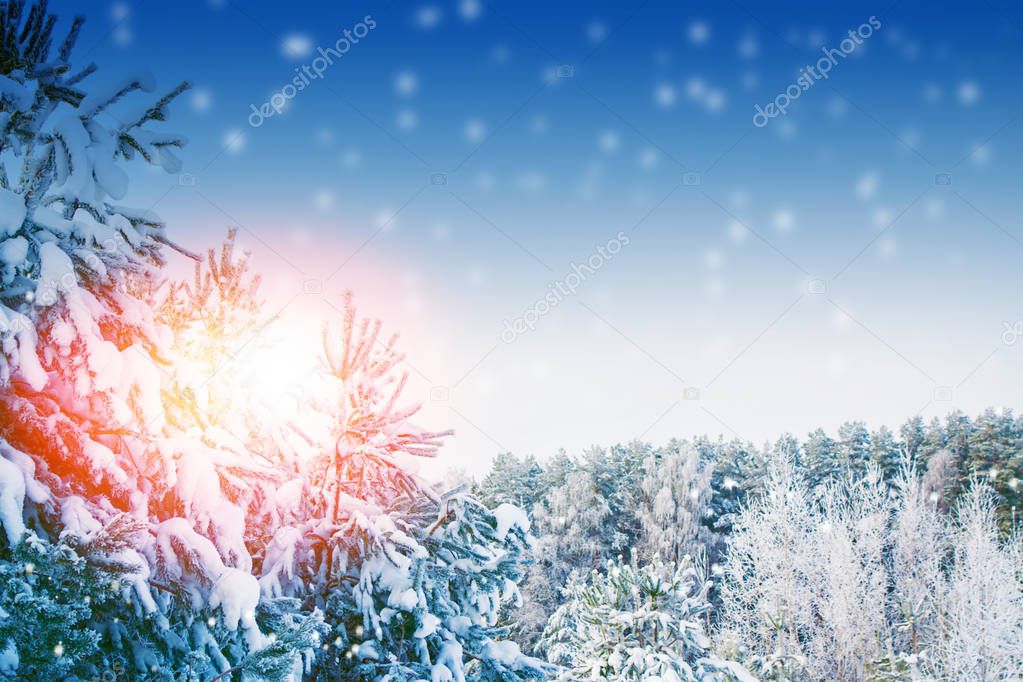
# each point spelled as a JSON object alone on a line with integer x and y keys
{"x": 158, "y": 523}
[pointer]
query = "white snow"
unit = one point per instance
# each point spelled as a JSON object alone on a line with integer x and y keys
{"x": 34, "y": 490}
{"x": 9, "y": 660}
{"x": 279, "y": 561}
{"x": 427, "y": 625}
{"x": 71, "y": 157}
{"x": 289, "y": 495}
{"x": 19, "y": 94}
{"x": 21, "y": 351}
{"x": 234, "y": 591}
{"x": 449, "y": 663}
{"x": 509, "y": 516}
{"x": 56, "y": 274}
{"x": 78, "y": 521}
{"x": 237, "y": 594}
{"x": 13, "y": 251}
{"x": 101, "y": 97}
{"x": 506, "y": 652}
{"x": 50, "y": 220}
{"x": 12, "y": 497}
{"x": 12, "y": 212}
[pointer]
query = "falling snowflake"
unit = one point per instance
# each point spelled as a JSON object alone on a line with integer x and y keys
{"x": 609, "y": 142}
{"x": 407, "y": 120}
{"x": 296, "y": 46}
{"x": 201, "y": 100}
{"x": 783, "y": 220}
{"x": 969, "y": 93}
{"x": 665, "y": 95}
{"x": 234, "y": 141}
{"x": 698, "y": 32}
{"x": 475, "y": 131}
{"x": 428, "y": 17}
{"x": 470, "y": 10}
{"x": 406, "y": 84}
{"x": 866, "y": 186}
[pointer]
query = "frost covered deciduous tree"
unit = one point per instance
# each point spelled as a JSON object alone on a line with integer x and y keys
{"x": 631, "y": 622}
{"x": 941, "y": 478}
{"x": 675, "y": 494}
{"x": 805, "y": 591}
{"x": 872, "y": 583}
{"x": 919, "y": 549}
{"x": 768, "y": 575}
{"x": 979, "y": 605}
{"x": 848, "y": 579}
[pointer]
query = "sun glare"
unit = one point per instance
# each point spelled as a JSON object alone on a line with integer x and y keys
{"x": 275, "y": 370}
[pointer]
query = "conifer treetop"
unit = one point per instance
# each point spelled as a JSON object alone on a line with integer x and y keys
{"x": 62, "y": 152}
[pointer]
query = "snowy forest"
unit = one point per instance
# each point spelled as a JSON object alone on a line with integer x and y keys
{"x": 159, "y": 525}
{"x": 858, "y": 556}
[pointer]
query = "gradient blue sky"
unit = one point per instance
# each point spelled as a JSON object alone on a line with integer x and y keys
{"x": 712, "y": 292}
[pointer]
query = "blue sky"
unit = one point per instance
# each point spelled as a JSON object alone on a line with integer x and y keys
{"x": 806, "y": 272}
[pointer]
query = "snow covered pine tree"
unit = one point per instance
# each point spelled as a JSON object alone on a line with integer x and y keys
{"x": 137, "y": 536}
{"x": 631, "y": 622}
{"x": 411, "y": 583}
{"x": 99, "y": 573}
